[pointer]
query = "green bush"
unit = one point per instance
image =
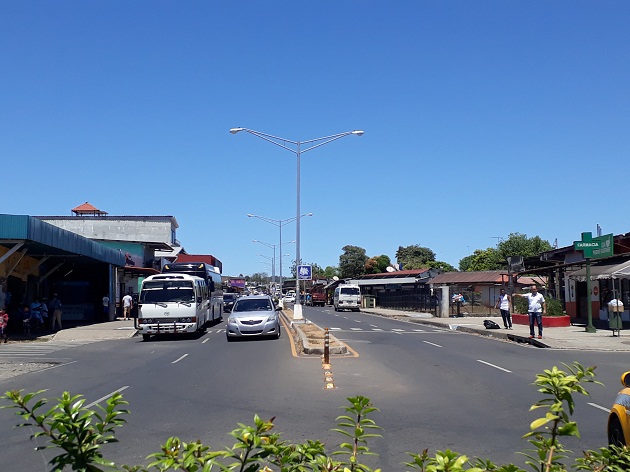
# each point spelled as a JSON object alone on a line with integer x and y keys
{"x": 79, "y": 433}
{"x": 554, "y": 306}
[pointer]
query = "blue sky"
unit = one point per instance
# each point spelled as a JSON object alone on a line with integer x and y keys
{"x": 481, "y": 119}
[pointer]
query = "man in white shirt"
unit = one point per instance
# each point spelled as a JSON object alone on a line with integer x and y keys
{"x": 504, "y": 304}
{"x": 536, "y": 309}
{"x": 127, "y": 304}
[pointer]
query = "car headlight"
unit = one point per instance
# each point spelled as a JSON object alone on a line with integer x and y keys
{"x": 231, "y": 320}
{"x": 272, "y": 317}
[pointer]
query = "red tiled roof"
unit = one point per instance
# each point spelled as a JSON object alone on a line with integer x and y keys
{"x": 87, "y": 208}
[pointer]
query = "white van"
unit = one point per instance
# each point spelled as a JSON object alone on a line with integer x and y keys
{"x": 347, "y": 297}
{"x": 172, "y": 303}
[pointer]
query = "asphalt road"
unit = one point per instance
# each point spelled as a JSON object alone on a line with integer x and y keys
{"x": 435, "y": 388}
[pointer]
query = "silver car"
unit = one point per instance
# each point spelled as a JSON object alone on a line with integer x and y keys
{"x": 253, "y": 316}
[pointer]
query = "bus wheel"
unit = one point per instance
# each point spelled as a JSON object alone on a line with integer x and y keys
{"x": 146, "y": 337}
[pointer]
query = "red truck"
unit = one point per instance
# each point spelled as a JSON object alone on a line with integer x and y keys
{"x": 318, "y": 296}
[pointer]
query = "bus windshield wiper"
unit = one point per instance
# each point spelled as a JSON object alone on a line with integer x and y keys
{"x": 184, "y": 303}
{"x": 162, "y": 304}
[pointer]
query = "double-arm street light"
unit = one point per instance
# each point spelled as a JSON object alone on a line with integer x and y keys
{"x": 279, "y": 224}
{"x": 274, "y": 246}
{"x": 313, "y": 144}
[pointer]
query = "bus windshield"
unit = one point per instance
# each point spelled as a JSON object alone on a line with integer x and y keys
{"x": 350, "y": 291}
{"x": 167, "y": 291}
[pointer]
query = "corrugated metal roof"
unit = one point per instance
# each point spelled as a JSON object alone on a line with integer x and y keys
{"x": 482, "y": 277}
{"x": 45, "y": 239}
{"x": 393, "y": 275}
{"x": 489, "y": 276}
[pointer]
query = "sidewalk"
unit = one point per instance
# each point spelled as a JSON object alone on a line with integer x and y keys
{"x": 571, "y": 337}
{"x": 117, "y": 329}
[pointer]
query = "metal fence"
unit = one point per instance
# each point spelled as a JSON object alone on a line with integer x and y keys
{"x": 408, "y": 299}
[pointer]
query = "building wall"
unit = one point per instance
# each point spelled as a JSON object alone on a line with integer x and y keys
{"x": 139, "y": 229}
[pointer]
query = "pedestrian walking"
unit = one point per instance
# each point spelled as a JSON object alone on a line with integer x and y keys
{"x": 43, "y": 311}
{"x": 36, "y": 315}
{"x": 106, "y": 305}
{"x": 536, "y": 308}
{"x": 127, "y": 305}
{"x": 4, "y": 323}
{"x": 504, "y": 304}
{"x": 54, "y": 307}
{"x": 26, "y": 320}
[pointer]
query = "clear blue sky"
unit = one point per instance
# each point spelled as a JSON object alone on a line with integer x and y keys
{"x": 481, "y": 118}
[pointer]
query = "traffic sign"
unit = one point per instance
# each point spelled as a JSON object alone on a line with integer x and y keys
{"x": 305, "y": 272}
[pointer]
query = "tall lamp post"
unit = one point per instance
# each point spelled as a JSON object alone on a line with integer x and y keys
{"x": 279, "y": 224}
{"x": 298, "y": 151}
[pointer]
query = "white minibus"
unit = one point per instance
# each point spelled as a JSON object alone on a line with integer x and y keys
{"x": 172, "y": 303}
{"x": 347, "y": 297}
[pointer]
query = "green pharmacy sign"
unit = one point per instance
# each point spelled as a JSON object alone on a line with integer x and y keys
{"x": 595, "y": 248}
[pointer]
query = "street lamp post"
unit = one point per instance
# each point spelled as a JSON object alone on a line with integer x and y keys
{"x": 279, "y": 224}
{"x": 273, "y": 264}
{"x": 314, "y": 143}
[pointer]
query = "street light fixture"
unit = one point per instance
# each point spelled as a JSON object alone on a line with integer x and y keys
{"x": 274, "y": 246}
{"x": 315, "y": 143}
{"x": 279, "y": 224}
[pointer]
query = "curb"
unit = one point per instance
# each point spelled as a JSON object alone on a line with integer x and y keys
{"x": 341, "y": 348}
{"x": 490, "y": 333}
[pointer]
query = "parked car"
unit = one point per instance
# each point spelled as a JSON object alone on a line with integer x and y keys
{"x": 228, "y": 301}
{"x": 288, "y": 298}
{"x": 251, "y": 316}
{"x": 618, "y": 419}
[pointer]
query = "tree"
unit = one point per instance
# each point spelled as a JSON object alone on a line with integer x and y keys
{"x": 414, "y": 257}
{"x": 444, "y": 266}
{"x": 330, "y": 272}
{"x": 516, "y": 244}
{"x": 352, "y": 261}
{"x": 488, "y": 259}
{"x": 377, "y": 264}
{"x": 259, "y": 278}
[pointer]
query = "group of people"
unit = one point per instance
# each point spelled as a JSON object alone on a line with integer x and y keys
{"x": 34, "y": 317}
{"x": 536, "y": 308}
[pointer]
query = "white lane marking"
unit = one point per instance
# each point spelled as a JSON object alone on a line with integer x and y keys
{"x": 106, "y": 396}
{"x": 603, "y": 408}
{"x": 356, "y": 329}
{"x": 357, "y": 321}
{"x": 495, "y": 366}
{"x": 177, "y": 360}
{"x": 397, "y": 329}
{"x": 334, "y": 329}
{"x": 373, "y": 326}
{"x": 377, "y": 329}
{"x": 205, "y": 341}
{"x": 432, "y": 344}
{"x": 418, "y": 331}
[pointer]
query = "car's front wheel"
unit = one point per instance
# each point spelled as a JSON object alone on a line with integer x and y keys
{"x": 615, "y": 433}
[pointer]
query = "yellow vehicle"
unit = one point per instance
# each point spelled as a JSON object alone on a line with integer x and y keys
{"x": 619, "y": 419}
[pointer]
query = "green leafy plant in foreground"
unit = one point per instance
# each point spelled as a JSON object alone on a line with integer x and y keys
{"x": 72, "y": 428}
{"x": 80, "y": 434}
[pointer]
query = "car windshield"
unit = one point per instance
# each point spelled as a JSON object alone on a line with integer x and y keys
{"x": 253, "y": 305}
